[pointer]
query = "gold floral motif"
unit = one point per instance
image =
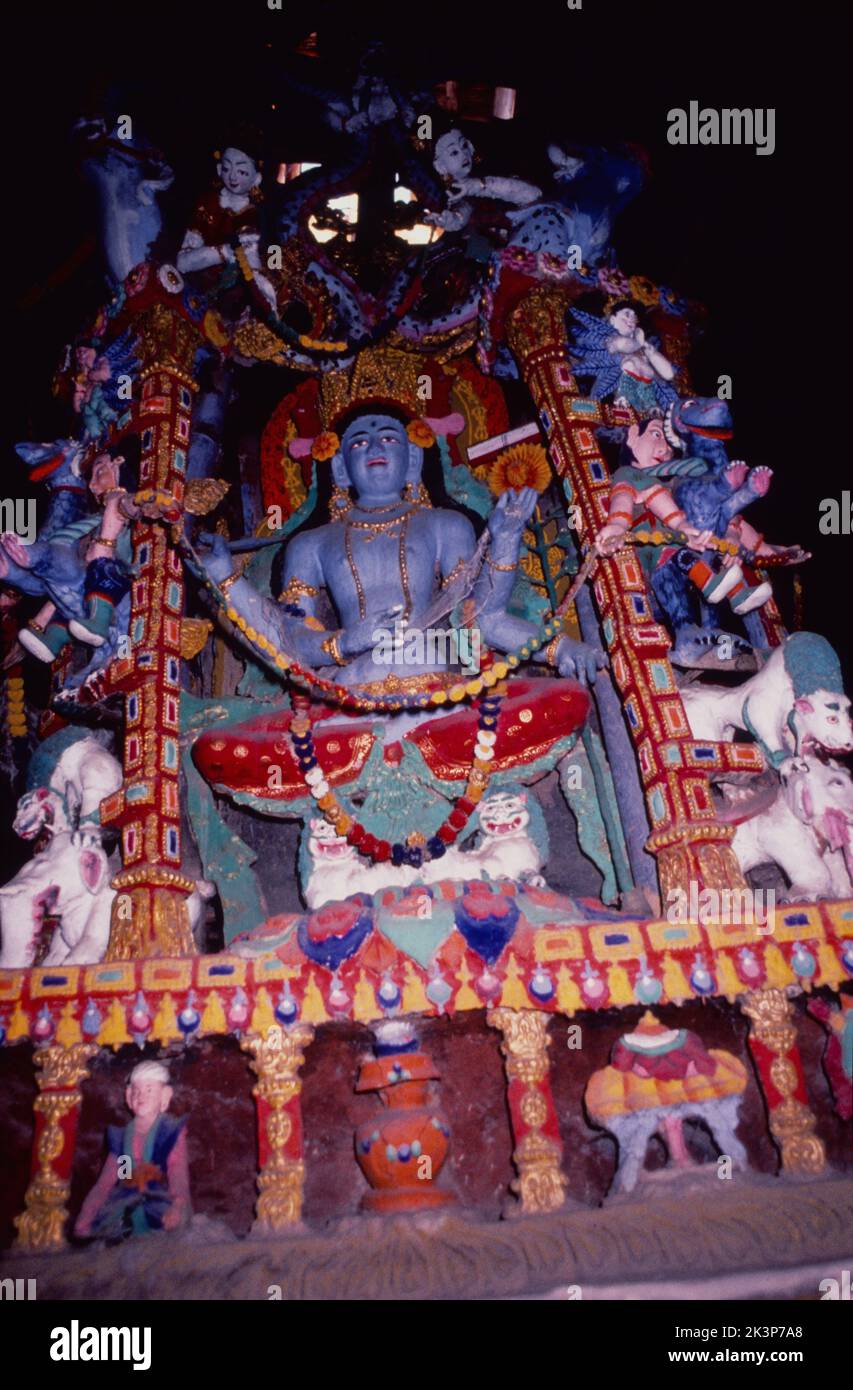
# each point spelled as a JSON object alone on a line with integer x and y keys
{"x": 203, "y": 494}
{"x": 534, "y": 1109}
{"x": 157, "y": 924}
{"x": 41, "y": 1226}
{"x": 276, "y": 1058}
{"x": 540, "y": 1183}
{"x": 194, "y": 635}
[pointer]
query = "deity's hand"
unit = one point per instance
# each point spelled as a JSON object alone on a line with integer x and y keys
{"x": 82, "y": 1227}
{"x": 696, "y": 540}
{"x": 362, "y": 636}
{"x": 173, "y": 1216}
{"x": 512, "y": 513}
{"x": 610, "y": 538}
{"x": 214, "y": 552}
{"x": 580, "y": 660}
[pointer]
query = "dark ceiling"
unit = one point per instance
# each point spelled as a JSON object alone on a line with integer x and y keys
{"x": 740, "y": 232}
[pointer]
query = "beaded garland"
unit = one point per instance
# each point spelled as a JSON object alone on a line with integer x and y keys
{"x": 415, "y": 851}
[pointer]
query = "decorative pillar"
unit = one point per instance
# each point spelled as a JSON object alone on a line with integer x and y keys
{"x": 149, "y": 913}
{"x": 690, "y": 844}
{"x": 540, "y": 1184}
{"x": 773, "y": 1044}
{"x": 277, "y": 1058}
{"x": 41, "y": 1226}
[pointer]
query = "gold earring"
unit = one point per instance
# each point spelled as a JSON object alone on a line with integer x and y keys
{"x": 340, "y": 503}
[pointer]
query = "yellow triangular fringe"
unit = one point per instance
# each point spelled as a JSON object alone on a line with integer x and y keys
{"x": 414, "y": 995}
{"x": 114, "y": 1032}
{"x": 466, "y": 998}
{"x": 620, "y": 986}
{"x": 514, "y": 994}
{"x": 831, "y": 971}
{"x": 675, "y": 982}
{"x": 213, "y": 1018}
{"x": 779, "y": 973}
{"x": 313, "y": 1008}
{"x": 364, "y": 1006}
{"x": 568, "y": 995}
{"x": 19, "y": 1024}
{"x": 165, "y": 1027}
{"x": 728, "y": 979}
{"x": 68, "y": 1029}
{"x": 263, "y": 1018}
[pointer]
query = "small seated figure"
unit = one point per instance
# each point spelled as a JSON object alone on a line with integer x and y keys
{"x": 625, "y": 364}
{"x": 642, "y": 483}
{"x": 659, "y": 1077}
{"x": 225, "y": 219}
{"x": 104, "y": 577}
{"x": 453, "y": 160}
{"x": 144, "y": 1184}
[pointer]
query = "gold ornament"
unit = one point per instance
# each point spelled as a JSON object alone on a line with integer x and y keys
{"x": 203, "y": 494}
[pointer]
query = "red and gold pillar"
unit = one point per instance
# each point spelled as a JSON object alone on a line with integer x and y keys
{"x": 773, "y": 1044}
{"x": 540, "y": 1185}
{"x": 690, "y": 844}
{"x": 277, "y": 1058}
{"x": 149, "y": 913}
{"x": 41, "y": 1226}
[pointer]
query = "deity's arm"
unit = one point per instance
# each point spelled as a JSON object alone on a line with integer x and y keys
{"x": 511, "y": 190}
{"x": 620, "y": 344}
{"x": 96, "y": 1197}
{"x": 195, "y": 254}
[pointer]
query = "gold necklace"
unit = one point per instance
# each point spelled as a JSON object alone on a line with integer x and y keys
{"x": 380, "y": 528}
{"x": 403, "y": 562}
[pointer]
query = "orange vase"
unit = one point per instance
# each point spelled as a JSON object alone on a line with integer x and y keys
{"x": 402, "y": 1151}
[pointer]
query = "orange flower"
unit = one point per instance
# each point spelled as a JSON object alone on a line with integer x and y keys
{"x": 325, "y": 446}
{"x": 524, "y": 465}
{"x": 420, "y": 434}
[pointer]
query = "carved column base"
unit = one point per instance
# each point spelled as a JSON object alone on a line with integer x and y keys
{"x": 773, "y": 1043}
{"x": 540, "y": 1185}
{"x": 60, "y": 1069}
{"x": 276, "y": 1059}
{"x": 149, "y": 915}
{"x": 696, "y": 854}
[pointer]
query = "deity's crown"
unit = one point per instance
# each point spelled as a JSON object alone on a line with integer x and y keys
{"x": 378, "y": 377}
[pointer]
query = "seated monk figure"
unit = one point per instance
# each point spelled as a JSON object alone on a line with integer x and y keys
{"x": 377, "y": 566}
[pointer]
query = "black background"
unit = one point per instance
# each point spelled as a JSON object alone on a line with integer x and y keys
{"x": 757, "y": 239}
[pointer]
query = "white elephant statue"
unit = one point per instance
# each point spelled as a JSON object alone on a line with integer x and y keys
{"x": 69, "y": 879}
{"x": 794, "y": 703}
{"x": 69, "y": 776}
{"x": 806, "y": 830}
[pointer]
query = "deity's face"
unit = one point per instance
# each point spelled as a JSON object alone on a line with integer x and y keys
{"x": 105, "y": 474}
{"x": 238, "y": 171}
{"x": 147, "y": 1097}
{"x": 651, "y": 447}
{"x": 454, "y": 155}
{"x": 377, "y": 456}
{"x": 625, "y": 322}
